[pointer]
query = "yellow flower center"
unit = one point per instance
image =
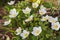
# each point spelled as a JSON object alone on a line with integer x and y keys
{"x": 29, "y": 19}
{"x": 45, "y": 18}
{"x": 37, "y": 31}
{"x": 26, "y": 35}
{"x": 27, "y": 12}
{"x": 56, "y": 26}
{"x": 53, "y": 20}
{"x": 34, "y": 5}
{"x": 14, "y": 14}
{"x": 41, "y": 13}
{"x": 19, "y": 30}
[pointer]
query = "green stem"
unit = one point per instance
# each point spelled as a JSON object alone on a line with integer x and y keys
{"x": 17, "y": 22}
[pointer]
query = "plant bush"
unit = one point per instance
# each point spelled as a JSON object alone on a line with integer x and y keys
{"x": 29, "y": 21}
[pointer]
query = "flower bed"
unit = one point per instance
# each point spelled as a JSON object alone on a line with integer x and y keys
{"x": 28, "y": 20}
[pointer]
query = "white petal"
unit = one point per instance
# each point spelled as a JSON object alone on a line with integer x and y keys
{"x": 35, "y": 5}
{"x": 36, "y": 31}
{"x": 18, "y": 30}
{"x": 24, "y": 33}
{"x": 42, "y": 7}
{"x": 13, "y": 11}
{"x": 11, "y": 2}
{"x": 53, "y": 24}
{"x": 26, "y": 10}
{"x": 7, "y": 22}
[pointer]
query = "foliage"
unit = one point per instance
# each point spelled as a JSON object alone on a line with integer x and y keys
{"x": 46, "y": 34}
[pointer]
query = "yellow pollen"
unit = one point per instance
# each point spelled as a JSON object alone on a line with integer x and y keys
{"x": 56, "y": 26}
{"x": 41, "y": 13}
{"x": 53, "y": 20}
{"x": 19, "y": 30}
{"x": 37, "y": 31}
{"x": 45, "y": 18}
{"x": 14, "y": 14}
{"x": 26, "y": 34}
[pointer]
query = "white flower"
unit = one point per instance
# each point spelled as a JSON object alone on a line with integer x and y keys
{"x": 42, "y": 12}
{"x": 49, "y": 17}
{"x": 13, "y": 13}
{"x": 45, "y": 18}
{"x": 11, "y": 2}
{"x": 27, "y": 10}
{"x": 7, "y": 22}
{"x": 29, "y": 19}
{"x": 53, "y": 20}
{"x": 36, "y": 31}
{"x": 55, "y": 26}
{"x": 18, "y": 30}
{"x": 35, "y": 5}
{"x": 24, "y": 34}
{"x": 38, "y": 1}
{"x": 42, "y": 7}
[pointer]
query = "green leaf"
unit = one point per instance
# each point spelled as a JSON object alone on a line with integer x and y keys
{"x": 57, "y": 37}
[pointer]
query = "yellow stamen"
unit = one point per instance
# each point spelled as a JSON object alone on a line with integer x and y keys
{"x": 53, "y": 20}
{"x": 56, "y": 26}
{"x": 14, "y": 14}
{"x": 26, "y": 35}
{"x": 41, "y": 13}
{"x": 45, "y": 18}
{"x": 37, "y": 31}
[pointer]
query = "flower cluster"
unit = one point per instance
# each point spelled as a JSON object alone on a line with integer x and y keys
{"x": 27, "y": 11}
{"x": 55, "y": 25}
{"x": 36, "y": 31}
